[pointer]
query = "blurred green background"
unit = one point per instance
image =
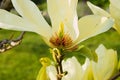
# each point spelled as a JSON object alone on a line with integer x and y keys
{"x": 22, "y": 62}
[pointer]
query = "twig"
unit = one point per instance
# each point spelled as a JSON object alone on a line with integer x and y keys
{"x": 58, "y": 58}
{"x": 6, "y": 4}
{"x": 8, "y": 44}
{"x": 115, "y": 76}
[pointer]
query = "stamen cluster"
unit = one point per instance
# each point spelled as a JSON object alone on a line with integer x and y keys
{"x": 61, "y": 42}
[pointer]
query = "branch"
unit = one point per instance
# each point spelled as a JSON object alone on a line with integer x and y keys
{"x": 6, "y": 4}
{"x": 8, "y": 43}
{"x": 115, "y": 76}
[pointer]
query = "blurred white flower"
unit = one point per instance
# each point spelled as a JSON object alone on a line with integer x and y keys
{"x": 66, "y": 31}
{"x": 114, "y": 13}
{"x": 102, "y": 70}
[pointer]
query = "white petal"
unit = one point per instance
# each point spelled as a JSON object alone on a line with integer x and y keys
{"x": 52, "y": 73}
{"x": 87, "y": 70}
{"x": 64, "y": 11}
{"x": 14, "y": 22}
{"x": 29, "y": 11}
{"x": 116, "y": 3}
{"x": 98, "y": 10}
{"x": 92, "y": 25}
{"x": 106, "y": 65}
{"x": 115, "y": 13}
{"x": 73, "y": 68}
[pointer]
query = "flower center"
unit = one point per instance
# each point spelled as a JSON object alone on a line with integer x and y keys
{"x": 61, "y": 39}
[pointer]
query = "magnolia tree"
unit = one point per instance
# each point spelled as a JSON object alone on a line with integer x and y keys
{"x": 63, "y": 37}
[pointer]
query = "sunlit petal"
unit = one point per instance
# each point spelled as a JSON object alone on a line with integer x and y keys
{"x": 92, "y": 25}
{"x": 29, "y": 11}
{"x": 73, "y": 68}
{"x": 97, "y": 10}
{"x": 106, "y": 65}
{"x": 13, "y": 22}
{"x": 64, "y": 11}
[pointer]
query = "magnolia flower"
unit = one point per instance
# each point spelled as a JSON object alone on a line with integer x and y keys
{"x": 114, "y": 12}
{"x": 66, "y": 31}
{"x": 102, "y": 70}
{"x": 107, "y": 63}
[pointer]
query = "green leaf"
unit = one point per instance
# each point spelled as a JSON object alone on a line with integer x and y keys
{"x": 88, "y": 53}
{"x": 80, "y": 58}
{"x": 81, "y": 53}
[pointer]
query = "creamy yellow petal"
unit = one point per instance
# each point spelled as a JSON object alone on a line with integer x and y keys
{"x": 14, "y": 22}
{"x": 74, "y": 69}
{"x": 115, "y": 13}
{"x": 29, "y": 11}
{"x": 64, "y": 11}
{"x": 92, "y": 25}
{"x": 106, "y": 65}
{"x": 98, "y": 10}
